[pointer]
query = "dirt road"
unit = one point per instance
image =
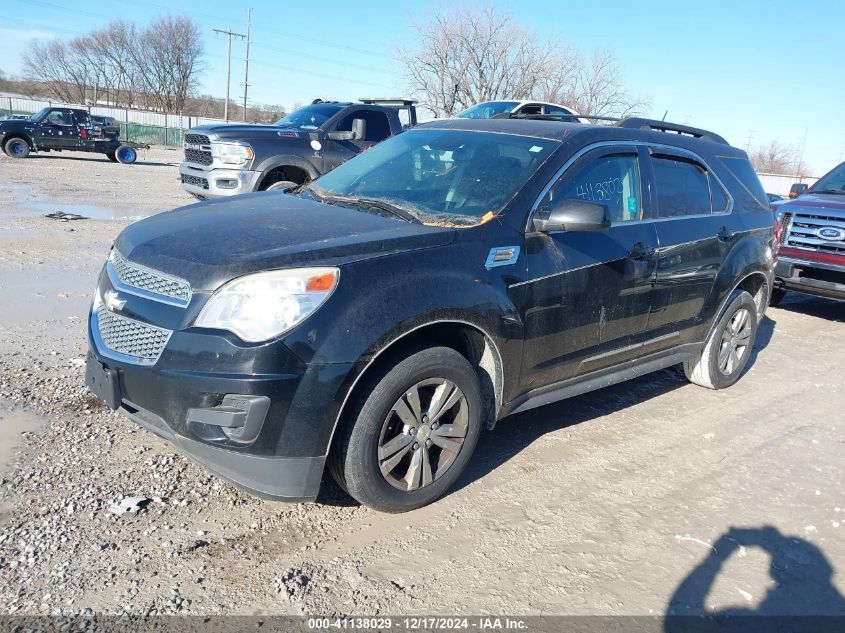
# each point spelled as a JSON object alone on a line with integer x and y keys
{"x": 622, "y": 501}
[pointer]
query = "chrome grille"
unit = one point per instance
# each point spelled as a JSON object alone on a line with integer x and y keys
{"x": 196, "y": 139}
{"x": 802, "y": 232}
{"x": 195, "y": 180}
{"x": 149, "y": 280}
{"x": 198, "y": 156}
{"x": 141, "y": 341}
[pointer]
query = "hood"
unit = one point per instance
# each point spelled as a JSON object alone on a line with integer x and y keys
{"x": 212, "y": 242}
{"x": 814, "y": 202}
{"x": 246, "y": 131}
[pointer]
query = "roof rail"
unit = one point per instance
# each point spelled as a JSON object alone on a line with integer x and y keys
{"x": 388, "y": 101}
{"x": 664, "y": 126}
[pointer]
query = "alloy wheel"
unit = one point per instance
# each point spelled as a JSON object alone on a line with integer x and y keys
{"x": 734, "y": 345}
{"x": 423, "y": 434}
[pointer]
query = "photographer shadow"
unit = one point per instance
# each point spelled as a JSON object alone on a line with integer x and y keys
{"x": 801, "y": 598}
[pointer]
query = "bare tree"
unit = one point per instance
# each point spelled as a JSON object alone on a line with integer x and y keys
{"x": 478, "y": 53}
{"x": 777, "y": 158}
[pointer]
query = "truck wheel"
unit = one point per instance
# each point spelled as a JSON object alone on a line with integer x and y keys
{"x": 282, "y": 185}
{"x": 777, "y": 296}
{"x": 16, "y": 148}
{"x": 411, "y": 433}
{"x": 125, "y": 155}
{"x": 728, "y": 349}
{"x": 112, "y": 157}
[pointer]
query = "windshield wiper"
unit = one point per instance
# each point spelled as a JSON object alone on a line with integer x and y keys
{"x": 835, "y": 191}
{"x": 386, "y": 206}
{"x": 367, "y": 202}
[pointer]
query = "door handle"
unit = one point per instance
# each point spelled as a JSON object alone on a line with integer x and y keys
{"x": 641, "y": 250}
{"x": 725, "y": 234}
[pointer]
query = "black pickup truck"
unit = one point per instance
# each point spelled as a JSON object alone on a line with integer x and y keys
{"x": 57, "y": 129}
{"x": 225, "y": 160}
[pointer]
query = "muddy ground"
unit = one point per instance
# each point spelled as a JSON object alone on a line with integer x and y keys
{"x": 619, "y": 502}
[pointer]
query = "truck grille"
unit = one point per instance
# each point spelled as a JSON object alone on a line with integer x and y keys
{"x": 143, "y": 342}
{"x": 196, "y": 139}
{"x": 198, "y": 156}
{"x": 195, "y": 180}
{"x": 149, "y": 280}
{"x": 802, "y": 231}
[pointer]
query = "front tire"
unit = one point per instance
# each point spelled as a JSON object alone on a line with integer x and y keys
{"x": 16, "y": 148}
{"x": 282, "y": 185}
{"x": 728, "y": 348}
{"x": 411, "y": 433}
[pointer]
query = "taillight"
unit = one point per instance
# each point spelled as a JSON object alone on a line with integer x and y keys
{"x": 83, "y": 134}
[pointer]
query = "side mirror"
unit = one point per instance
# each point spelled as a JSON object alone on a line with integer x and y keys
{"x": 358, "y": 132}
{"x": 797, "y": 189}
{"x": 575, "y": 215}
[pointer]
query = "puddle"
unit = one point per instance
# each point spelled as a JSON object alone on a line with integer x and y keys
{"x": 27, "y": 204}
{"x": 13, "y": 422}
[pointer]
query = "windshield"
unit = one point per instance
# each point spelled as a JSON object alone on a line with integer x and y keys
{"x": 310, "y": 117}
{"x": 832, "y": 182}
{"x": 441, "y": 177}
{"x": 488, "y": 109}
{"x": 40, "y": 114}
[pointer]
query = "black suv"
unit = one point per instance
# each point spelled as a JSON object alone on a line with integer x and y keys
{"x": 450, "y": 276}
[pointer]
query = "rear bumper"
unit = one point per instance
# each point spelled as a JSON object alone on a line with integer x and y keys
{"x": 819, "y": 279}
{"x": 217, "y": 182}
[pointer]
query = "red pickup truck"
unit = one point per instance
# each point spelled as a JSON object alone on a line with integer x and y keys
{"x": 811, "y": 256}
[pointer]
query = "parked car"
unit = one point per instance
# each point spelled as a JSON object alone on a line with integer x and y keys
{"x": 15, "y": 117}
{"x": 811, "y": 259}
{"x": 225, "y": 160}
{"x": 465, "y": 270}
{"x": 490, "y": 109}
{"x": 58, "y": 129}
{"x": 104, "y": 126}
{"x": 773, "y": 197}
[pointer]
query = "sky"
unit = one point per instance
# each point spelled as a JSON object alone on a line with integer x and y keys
{"x": 753, "y": 71}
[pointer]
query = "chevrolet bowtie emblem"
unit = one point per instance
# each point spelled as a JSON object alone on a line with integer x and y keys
{"x": 113, "y": 301}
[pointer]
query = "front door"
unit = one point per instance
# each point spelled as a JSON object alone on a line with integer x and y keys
{"x": 589, "y": 294}
{"x": 376, "y": 129}
{"x": 53, "y": 129}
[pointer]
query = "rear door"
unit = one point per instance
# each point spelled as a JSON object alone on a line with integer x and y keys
{"x": 589, "y": 294}
{"x": 695, "y": 228}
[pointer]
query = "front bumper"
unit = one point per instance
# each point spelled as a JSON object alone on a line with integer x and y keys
{"x": 819, "y": 279}
{"x": 217, "y": 182}
{"x": 186, "y": 391}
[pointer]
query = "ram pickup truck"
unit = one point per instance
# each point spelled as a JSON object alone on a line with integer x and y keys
{"x": 811, "y": 257}
{"x": 57, "y": 129}
{"x": 225, "y": 160}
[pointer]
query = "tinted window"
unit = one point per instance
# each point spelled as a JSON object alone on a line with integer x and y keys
{"x": 59, "y": 117}
{"x": 833, "y": 181}
{"x": 718, "y": 198}
{"x": 740, "y": 169}
{"x": 682, "y": 186}
{"x": 557, "y": 111}
{"x": 531, "y": 108}
{"x": 613, "y": 180}
{"x": 378, "y": 125}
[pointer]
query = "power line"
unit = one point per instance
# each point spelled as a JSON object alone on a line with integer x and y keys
{"x": 246, "y": 58}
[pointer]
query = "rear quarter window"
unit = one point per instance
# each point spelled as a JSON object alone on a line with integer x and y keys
{"x": 739, "y": 176}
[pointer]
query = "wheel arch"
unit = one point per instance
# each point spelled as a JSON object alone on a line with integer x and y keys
{"x": 282, "y": 164}
{"x": 469, "y": 339}
{"x": 21, "y": 135}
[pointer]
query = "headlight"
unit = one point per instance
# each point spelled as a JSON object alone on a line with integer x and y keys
{"x": 232, "y": 153}
{"x": 260, "y": 306}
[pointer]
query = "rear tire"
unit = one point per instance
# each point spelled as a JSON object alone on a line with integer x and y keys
{"x": 16, "y": 148}
{"x": 282, "y": 185}
{"x": 398, "y": 451}
{"x": 777, "y": 296}
{"x": 728, "y": 348}
{"x": 125, "y": 155}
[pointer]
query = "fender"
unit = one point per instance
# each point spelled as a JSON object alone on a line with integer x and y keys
{"x": 744, "y": 260}
{"x": 21, "y": 135}
{"x": 285, "y": 160}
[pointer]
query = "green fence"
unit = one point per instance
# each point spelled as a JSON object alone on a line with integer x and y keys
{"x": 151, "y": 134}
{"x": 135, "y": 132}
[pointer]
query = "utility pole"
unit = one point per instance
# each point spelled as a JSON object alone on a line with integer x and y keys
{"x": 246, "y": 59}
{"x": 228, "y": 68}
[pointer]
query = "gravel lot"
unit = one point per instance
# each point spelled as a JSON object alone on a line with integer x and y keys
{"x": 600, "y": 505}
